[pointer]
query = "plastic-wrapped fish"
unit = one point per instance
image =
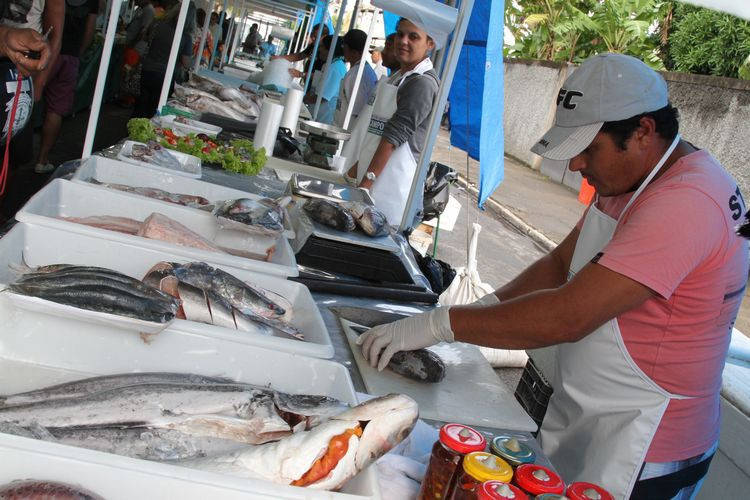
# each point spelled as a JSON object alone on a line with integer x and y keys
{"x": 265, "y": 215}
{"x": 330, "y": 214}
{"x": 154, "y": 153}
{"x": 371, "y": 220}
{"x": 189, "y": 200}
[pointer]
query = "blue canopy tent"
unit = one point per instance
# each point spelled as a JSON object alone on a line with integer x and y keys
{"x": 476, "y": 97}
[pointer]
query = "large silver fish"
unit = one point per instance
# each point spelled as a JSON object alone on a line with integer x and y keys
{"x": 350, "y": 441}
{"x": 240, "y": 412}
{"x": 84, "y": 387}
{"x": 330, "y": 214}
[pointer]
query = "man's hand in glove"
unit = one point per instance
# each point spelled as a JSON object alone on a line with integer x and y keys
{"x": 422, "y": 330}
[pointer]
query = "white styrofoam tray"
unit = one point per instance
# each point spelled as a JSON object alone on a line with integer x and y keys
{"x": 191, "y": 165}
{"x": 191, "y": 127}
{"x": 61, "y": 198}
{"x": 116, "y": 172}
{"x": 31, "y": 244}
{"x": 37, "y": 351}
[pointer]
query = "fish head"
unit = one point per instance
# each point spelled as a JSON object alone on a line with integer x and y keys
{"x": 386, "y": 421}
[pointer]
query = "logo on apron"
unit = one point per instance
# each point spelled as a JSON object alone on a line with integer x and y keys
{"x": 377, "y": 125}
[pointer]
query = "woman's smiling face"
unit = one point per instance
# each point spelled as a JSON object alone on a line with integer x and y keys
{"x": 412, "y": 44}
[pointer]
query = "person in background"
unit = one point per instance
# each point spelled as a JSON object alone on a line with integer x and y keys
{"x": 390, "y": 60}
{"x": 156, "y": 60}
{"x": 353, "y": 44}
{"x": 387, "y": 160}
{"x": 306, "y": 53}
{"x": 252, "y": 40}
{"x": 200, "y": 19}
{"x": 59, "y": 93}
{"x": 329, "y": 88}
{"x": 135, "y": 48}
{"x": 639, "y": 299}
{"x": 377, "y": 60}
{"x": 267, "y": 48}
{"x": 215, "y": 28}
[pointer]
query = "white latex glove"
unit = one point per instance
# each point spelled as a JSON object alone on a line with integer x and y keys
{"x": 422, "y": 330}
{"x": 488, "y": 300}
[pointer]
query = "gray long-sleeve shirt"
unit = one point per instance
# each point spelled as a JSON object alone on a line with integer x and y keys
{"x": 409, "y": 123}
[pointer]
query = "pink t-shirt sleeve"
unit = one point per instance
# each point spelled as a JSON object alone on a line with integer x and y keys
{"x": 663, "y": 237}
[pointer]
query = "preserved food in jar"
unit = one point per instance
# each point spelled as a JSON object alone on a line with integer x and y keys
{"x": 536, "y": 480}
{"x": 588, "y": 491}
{"x": 512, "y": 450}
{"x": 455, "y": 441}
{"x": 498, "y": 490}
{"x": 479, "y": 467}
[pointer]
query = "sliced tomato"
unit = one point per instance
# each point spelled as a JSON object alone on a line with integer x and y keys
{"x": 168, "y": 133}
{"x": 172, "y": 141}
{"x": 337, "y": 448}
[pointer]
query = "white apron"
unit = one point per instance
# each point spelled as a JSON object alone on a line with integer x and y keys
{"x": 390, "y": 190}
{"x": 358, "y": 130}
{"x": 604, "y": 411}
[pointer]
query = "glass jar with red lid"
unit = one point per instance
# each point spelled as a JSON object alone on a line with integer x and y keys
{"x": 537, "y": 480}
{"x": 478, "y": 467}
{"x": 587, "y": 491}
{"x": 498, "y": 490}
{"x": 455, "y": 442}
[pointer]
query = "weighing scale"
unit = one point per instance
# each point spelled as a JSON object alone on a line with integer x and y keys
{"x": 351, "y": 263}
{"x": 322, "y": 143}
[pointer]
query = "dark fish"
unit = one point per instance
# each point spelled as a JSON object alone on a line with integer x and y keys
{"x": 330, "y": 214}
{"x": 104, "y": 299}
{"x": 422, "y": 365}
{"x": 32, "y": 489}
{"x": 371, "y": 220}
{"x": 265, "y": 213}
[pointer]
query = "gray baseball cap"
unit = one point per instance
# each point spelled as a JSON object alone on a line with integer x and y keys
{"x": 605, "y": 88}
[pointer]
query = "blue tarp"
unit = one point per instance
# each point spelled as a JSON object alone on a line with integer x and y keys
{"x": 319, "y": 16}
{"x": 476, "y": 96}
{"x": 389, "y": 22}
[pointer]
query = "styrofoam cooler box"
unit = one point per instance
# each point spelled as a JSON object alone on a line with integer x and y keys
{"x": 116, "y": 172}
{"x": 35, "y": 245}
{"x": 61, "y": 198}
{"x": 38, "y": 352}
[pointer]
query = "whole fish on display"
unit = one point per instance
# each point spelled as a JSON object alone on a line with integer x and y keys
{"x": 330, "y": 214}
{"x": 238, "y": 412}
{"x": 188, "y": 200}
{"x": 155, "y": 153}
{"x": 97, "y": 289}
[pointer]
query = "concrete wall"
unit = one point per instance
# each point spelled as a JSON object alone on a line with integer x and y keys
{"x": 715, "y": 115}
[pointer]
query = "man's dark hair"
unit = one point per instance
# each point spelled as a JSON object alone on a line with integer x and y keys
{"x": 667, "y": 125}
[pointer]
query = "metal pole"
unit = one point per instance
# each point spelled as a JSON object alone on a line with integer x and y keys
{"x": 238, "y": 34}
{"x": 335, "y": 38}
{"x": 101, "y": 78}
{"x": 172, "y": 62}
{"x": 360, "y": 71}
{"x": 315, "y": 47}
{"x": 216, "y": 42}
{"x": 297, "y": 24}
{"x": 229, "y": 41}
{"x": 462, "y": 22}
{"x": 202, "y": 43}
{"x": 355, "y": 12}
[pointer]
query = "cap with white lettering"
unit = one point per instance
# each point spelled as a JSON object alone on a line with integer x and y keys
{"x": 605, "y": 88}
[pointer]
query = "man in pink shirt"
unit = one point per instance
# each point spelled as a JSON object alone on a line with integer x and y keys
{"x": 638, "y": 300}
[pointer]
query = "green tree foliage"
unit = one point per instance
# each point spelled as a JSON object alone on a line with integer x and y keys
{"x": 573, "y": 30}
{"x": 707, "y": 42}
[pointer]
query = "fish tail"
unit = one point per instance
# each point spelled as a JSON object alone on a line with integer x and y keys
{"x": 20, "y": 268}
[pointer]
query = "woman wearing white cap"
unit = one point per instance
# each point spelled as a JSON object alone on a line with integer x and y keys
{"x": 400, "y": 118}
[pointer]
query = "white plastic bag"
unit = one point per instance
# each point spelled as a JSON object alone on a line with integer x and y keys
{"x": 467, "y": 287}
